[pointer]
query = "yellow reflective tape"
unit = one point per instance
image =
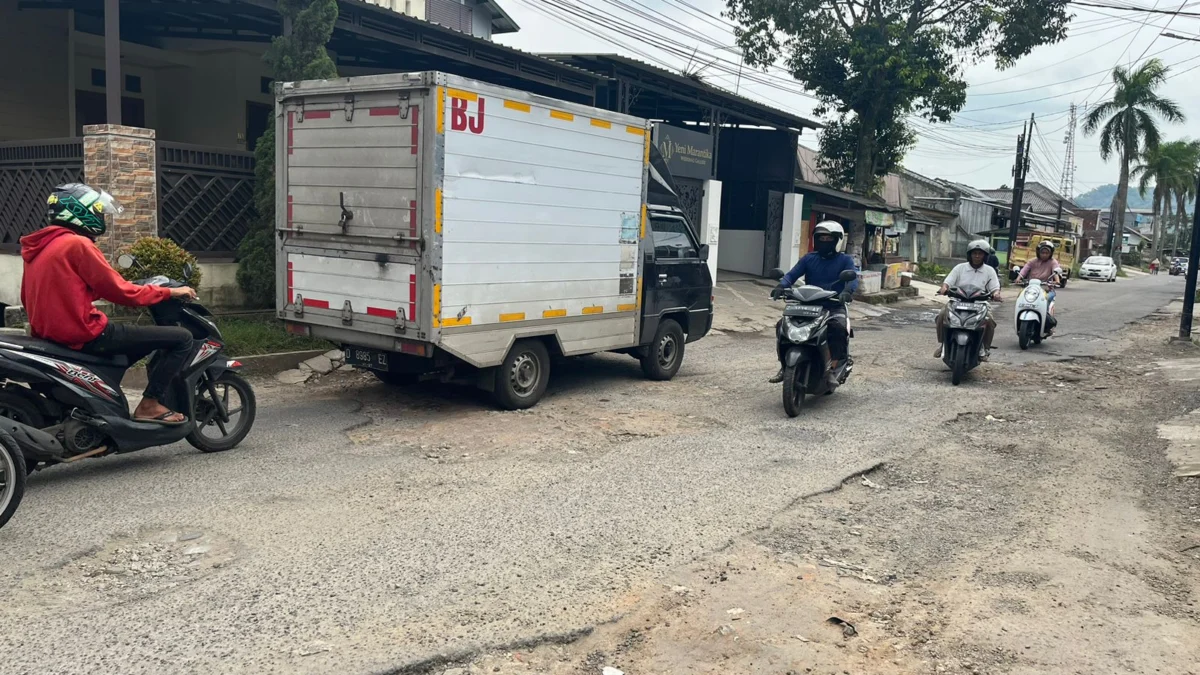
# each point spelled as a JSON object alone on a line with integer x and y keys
{"x": 437, "y": 305}
{"x": 514, "y": 316}
{"x": 646, "y": 150}
{"x": 639, "y": 295}
{"x": 437, "y": 210}
{"x": 465, "y": 95}
{"x": 455, "y": 321}
{"x": 636, "y": 131}
{"x": 602, "y": 124}
{"x": 643, "y": 221}
{"x": 553, "y": 313}
{"x": 560, "y": 115}
{"x": 516, "y": 105}
{"x": 441, "y": 110}
{"x": 626, "y": 308}
{"x": 593, "y": 310}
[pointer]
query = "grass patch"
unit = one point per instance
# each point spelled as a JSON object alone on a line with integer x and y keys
{"x": 246, "y": 336}
{"x": 1121, "y": 273}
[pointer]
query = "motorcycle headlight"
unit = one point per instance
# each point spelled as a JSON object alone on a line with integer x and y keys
{"x": 1032, "y": 294}
{"x": 799, "y": 333}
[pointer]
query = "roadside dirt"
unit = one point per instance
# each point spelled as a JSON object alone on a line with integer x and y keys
{"x": 1044, "y": 534}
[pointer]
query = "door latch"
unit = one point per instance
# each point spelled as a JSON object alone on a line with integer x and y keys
{"x": 349, "y": 107}
{"x": 347, "y": 313}
{"x": 347, "y": 216}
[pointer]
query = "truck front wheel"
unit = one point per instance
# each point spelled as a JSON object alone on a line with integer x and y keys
{"x": 663, "y": 356}
{"x": 521, "y": 380}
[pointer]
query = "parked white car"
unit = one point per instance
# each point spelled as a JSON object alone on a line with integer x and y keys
{"x": 1098, "y": 267}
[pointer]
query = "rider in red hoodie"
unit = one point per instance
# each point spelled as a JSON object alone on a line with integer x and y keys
{"x": 65, "y": 272}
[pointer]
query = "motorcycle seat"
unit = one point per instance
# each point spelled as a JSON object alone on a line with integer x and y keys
{"x": 57, "y": 351}
{"x": 811, "y": 294}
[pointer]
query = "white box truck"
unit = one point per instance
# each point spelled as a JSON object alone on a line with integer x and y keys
{"x": 438, "y": 227}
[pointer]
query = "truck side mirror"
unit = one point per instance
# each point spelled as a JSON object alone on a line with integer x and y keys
{"x": 704, "y": 252}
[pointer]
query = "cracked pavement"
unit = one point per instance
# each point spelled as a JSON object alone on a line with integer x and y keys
{"x": 367, "y": 529}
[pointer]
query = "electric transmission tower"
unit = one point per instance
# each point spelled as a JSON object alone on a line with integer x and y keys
{"x": 1067, "y": 187}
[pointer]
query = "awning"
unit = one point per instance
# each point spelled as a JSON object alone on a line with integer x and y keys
{"x": 849, "y": 197}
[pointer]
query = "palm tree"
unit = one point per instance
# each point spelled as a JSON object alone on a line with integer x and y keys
{"x": 1130, "y": 125}
{"x": 1170, "y": 167}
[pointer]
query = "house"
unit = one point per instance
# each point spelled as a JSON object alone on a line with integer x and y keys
{"x": 1057, "y": 213}
{"x": 480, "y": 19}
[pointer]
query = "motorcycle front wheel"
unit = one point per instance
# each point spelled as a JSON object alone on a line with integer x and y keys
{"x": 794, "y": 380}
{"x": 225, "y": 410}
{"x": 959, "y": 369}
{"x": 1026, "y": 333}
{"x": 12, "y": 477}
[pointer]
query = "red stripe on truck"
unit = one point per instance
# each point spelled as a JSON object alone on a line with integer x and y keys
{"x": 318, "y": 304}
{"x": 379, "y": 311}
{"x": 385, "y": 112}
{"x": 291, "y": 134}
{"x": 317, "y": 115}
{"x": 412, "y": 221}
{"x": 291, "y": 284}
{"x": 290, "y": 212}
{"x": 412, "y": 296}
{"x": 416, "y": 127}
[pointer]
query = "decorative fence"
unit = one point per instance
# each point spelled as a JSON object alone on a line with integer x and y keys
{"x": 205, "y": 196}
{"x": 29, "y": 171}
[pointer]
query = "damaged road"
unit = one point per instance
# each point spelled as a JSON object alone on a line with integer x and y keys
{"x": 646, "y": 527}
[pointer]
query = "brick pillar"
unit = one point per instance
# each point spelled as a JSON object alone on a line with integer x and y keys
{"x": 122, "y": 161}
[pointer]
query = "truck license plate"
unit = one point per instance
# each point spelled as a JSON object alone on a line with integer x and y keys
{"x": 366, "y": 358}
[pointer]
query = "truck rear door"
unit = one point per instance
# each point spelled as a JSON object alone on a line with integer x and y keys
{"x": 350, "y": 211}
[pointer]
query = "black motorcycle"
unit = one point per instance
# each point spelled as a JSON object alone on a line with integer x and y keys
{"x": 61, "y": 405}
{"x": 965, "y": 325}
{"x": 802, "y": 344}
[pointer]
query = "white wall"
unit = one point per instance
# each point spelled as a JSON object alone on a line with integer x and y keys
{"x": 481, "y": 21}
{"x": 33, "y": 82}
{"x": 742, "y": 251}
{"x": 710, "y": 223}
{"x": 11, "y": 269}
{"x": 413, "y": 8}
{"x": 793, "y": 230}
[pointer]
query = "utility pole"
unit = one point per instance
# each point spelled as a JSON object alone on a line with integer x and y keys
{"x": 1189, "y": 288}
{"x": 1019, "y": 170}
{"x": 1058, "y": 217}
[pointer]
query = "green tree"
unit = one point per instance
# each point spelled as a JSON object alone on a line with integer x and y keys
{"x": 1171, "y": 167}
{"x": 300, "y": 55}
{"x": 874, "y": 63}
{"x": 1128, "y": 125}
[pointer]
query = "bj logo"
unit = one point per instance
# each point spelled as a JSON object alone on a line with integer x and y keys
{"x": 461, "y": 120}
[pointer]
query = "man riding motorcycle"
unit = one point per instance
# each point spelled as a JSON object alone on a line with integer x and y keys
{"x": 821, "y": 268}
{"x": 1047, "y": 270}
{"x": 65, "y": 272}
{"x": 975, "y": 273}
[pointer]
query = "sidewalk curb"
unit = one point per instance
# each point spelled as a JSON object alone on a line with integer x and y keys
{"x": 263, "y": 364}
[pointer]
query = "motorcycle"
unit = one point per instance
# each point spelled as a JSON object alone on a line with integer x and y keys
{"x": 60, "y": 405}
{"x": 802, "y": 344}
{"x": 965, "y": 324}
{"x": 1032, "y": 315}
{"x": 12, "y": 477}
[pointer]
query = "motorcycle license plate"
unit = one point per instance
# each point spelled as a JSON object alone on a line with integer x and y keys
{"x": 802, "y": 310}
{"x": 366, "y": 358}
{"x": 969, "y": 306}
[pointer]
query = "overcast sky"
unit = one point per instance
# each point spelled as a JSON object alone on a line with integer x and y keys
{"x": 978, "y": 146}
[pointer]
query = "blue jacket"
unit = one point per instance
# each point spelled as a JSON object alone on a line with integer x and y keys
{"x": 818, "y": 271}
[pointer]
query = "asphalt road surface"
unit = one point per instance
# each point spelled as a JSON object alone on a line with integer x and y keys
{"x": 365, "y": 529}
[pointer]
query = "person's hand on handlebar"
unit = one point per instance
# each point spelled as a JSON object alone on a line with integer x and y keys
{"x": 777, "y": 292}
{"x": 943, "y": 290}
{"x": 183, "y": 293}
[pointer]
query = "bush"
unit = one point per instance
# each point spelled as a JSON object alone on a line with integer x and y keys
{"x": 931, "y": 271}
{"x": 161, "y": 256}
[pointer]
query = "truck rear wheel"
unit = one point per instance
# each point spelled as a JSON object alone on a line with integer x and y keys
{"x": 664, "y": 355}
{"x": 521, "y": 380}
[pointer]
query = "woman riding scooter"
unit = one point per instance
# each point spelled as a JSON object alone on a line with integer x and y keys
{"x": 1046, "y": 270}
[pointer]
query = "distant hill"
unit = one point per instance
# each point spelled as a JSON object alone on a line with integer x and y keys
{"x": 1101, "y": 198}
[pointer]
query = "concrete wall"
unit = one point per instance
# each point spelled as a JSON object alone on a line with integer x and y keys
{"x": 85, "y": 63}
{"x": 742, "y": 251}
{"x": 11, "y": 267}
{"x": 33, "y": 82}
{"x": 481, "y": 21}
{"x": 206, "y": 105}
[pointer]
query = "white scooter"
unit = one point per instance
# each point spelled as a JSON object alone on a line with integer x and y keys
{"x": 1032, "y": 315}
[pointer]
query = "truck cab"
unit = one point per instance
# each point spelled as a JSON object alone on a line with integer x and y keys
{"x": 677, "y": 300}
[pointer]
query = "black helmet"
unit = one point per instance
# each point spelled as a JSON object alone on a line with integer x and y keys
{"x": 81, "y": 208}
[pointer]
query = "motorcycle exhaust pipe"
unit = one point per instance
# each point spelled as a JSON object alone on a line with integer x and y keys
{"x": 34, "y": 443}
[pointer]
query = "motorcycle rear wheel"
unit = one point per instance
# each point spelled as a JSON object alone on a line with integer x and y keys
{"x": 230, "y": 433}
{"x": 12, "y": 477}
{"x": 794, "y": 380}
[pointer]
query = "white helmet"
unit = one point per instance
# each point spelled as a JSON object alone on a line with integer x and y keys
{"x": 829, "y": 227}
{"x": 979, "y": 245}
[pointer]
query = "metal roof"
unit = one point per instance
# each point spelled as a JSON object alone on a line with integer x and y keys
{"x": 1038, "y": 197}
{"x": 667, "y": 95}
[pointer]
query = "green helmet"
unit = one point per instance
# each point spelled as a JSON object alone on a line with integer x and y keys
{"x": 81, "y": 208}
